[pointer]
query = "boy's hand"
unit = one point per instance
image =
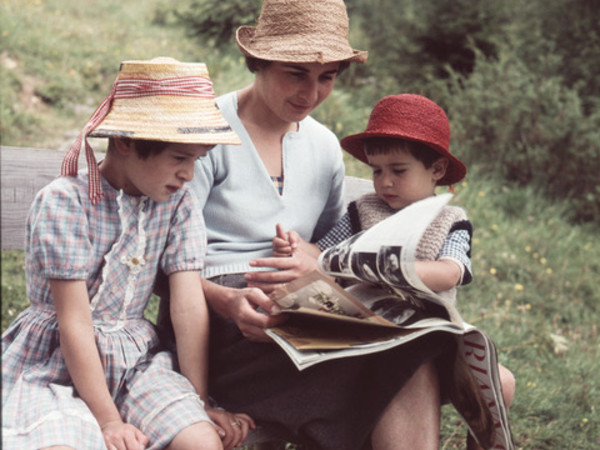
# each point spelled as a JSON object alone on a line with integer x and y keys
{"x": 285, "y": 243}
{"x": 123, "y": 436}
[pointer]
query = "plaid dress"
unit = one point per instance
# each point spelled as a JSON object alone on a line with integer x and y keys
{"x": 117, "y": 247}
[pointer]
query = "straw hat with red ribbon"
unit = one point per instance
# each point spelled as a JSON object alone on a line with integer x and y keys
{"x": 414, "y": 118}
{"x": 159, "y": 100}
{"x": 301, "y": 31}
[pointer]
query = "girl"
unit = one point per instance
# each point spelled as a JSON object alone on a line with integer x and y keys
{"x": 80, "y": 368}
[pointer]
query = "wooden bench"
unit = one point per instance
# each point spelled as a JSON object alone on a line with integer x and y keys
{"x": 26, "y": 170}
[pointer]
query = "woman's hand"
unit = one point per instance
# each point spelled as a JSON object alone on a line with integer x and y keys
{"x": 123, "y": 436}
{"x": 302, "y": 262}
{"x": 249, "y": 308}
{"x": 232, "y": 428}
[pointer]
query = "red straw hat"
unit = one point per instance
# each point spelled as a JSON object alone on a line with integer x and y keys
{"x": 414, "y": 118}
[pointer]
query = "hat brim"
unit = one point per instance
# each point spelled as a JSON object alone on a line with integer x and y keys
{"x": 355, "y": 145}
{"x": 294, "y": 48}
{"x": 155, "y": 118}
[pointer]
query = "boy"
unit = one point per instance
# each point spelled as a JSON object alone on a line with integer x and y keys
{"x": 406, "y": 143}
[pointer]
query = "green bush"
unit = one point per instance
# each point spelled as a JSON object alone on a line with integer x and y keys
{"x": 411, "y": 42}
{"x": 529, "y": 129}
{"x": 568, "y": 32}
{"x": 215, "y": 22}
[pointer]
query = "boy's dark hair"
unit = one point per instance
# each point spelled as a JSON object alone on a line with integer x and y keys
{"x": 384, "y": 145}
{"x": 143, "y": 148}
{"x": 256, "y": 64}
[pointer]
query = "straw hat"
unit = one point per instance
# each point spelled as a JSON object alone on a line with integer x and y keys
{"x": 165, "y": 100}
{"x": 414, "y": 118}
{"x": 160, "y": 100}
{"x": 302, "y": 31}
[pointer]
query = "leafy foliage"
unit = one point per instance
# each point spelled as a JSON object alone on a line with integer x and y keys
{"x": 215, "y": 22}
{"x": 562, "y": 38}
{"x": 529, "y": 129}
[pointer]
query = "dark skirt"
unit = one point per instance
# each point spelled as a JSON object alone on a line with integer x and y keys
{"x": 333, "y": 405}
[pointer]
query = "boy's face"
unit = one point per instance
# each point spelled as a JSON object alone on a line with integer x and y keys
{"x": 400, "y": 179}
{"x": 161, "y": 175}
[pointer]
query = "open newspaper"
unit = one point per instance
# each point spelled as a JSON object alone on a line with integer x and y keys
{"x": 387, "y": 306}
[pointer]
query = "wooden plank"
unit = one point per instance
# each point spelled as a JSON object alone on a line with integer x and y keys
{"x": 355, "y": 187}
{"x": 26, "y": 170}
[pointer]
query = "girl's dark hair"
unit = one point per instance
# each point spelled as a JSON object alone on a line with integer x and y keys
{"x": 384, "y": 145}
{"x": 256, "y": 64}
{"x": 143, "y": 148}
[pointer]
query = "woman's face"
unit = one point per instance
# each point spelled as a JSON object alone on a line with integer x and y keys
{"x": 291, "y": 91}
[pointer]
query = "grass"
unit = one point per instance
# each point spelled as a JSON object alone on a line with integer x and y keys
{"x": 536, "y": 276}
{"x": 59, "y": 60}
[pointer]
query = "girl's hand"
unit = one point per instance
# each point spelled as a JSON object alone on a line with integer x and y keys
{"x": 123, "y": 436}
{"x": 232, "y": 428}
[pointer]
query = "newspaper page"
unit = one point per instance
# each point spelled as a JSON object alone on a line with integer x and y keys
{"x": 385, "y": 253}
{"x": 363, "y": 318}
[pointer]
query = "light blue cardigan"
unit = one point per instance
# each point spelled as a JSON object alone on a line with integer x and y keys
{"x": 241, "y": 204}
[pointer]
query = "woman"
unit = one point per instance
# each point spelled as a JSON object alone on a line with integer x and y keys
{"x": 289, "y": 170}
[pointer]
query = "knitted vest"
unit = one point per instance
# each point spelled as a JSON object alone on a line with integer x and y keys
{"x": 369, "y": 210}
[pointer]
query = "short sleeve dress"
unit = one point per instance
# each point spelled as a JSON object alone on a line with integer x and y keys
{"x": 117, "y": 247}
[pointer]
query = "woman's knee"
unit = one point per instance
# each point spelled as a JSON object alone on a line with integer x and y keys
{"x": 199, "y": 436}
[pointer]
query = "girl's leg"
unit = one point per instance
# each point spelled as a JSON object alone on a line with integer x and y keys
{"x": 164, "y": 406}
{"x": 199, "y": 436}
{"x": 412, "y": 419}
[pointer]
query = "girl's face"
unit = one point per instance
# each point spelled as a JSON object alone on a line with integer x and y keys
{"x": 160, "y": 176}
{"x": 400, "y": 179}
{"x": 291, "y": 91}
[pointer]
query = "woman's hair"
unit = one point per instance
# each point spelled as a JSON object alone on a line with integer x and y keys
{"x": 385, "y": 145}
{"x": 143, "y": 148}
{"x": 256, "y": 64}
